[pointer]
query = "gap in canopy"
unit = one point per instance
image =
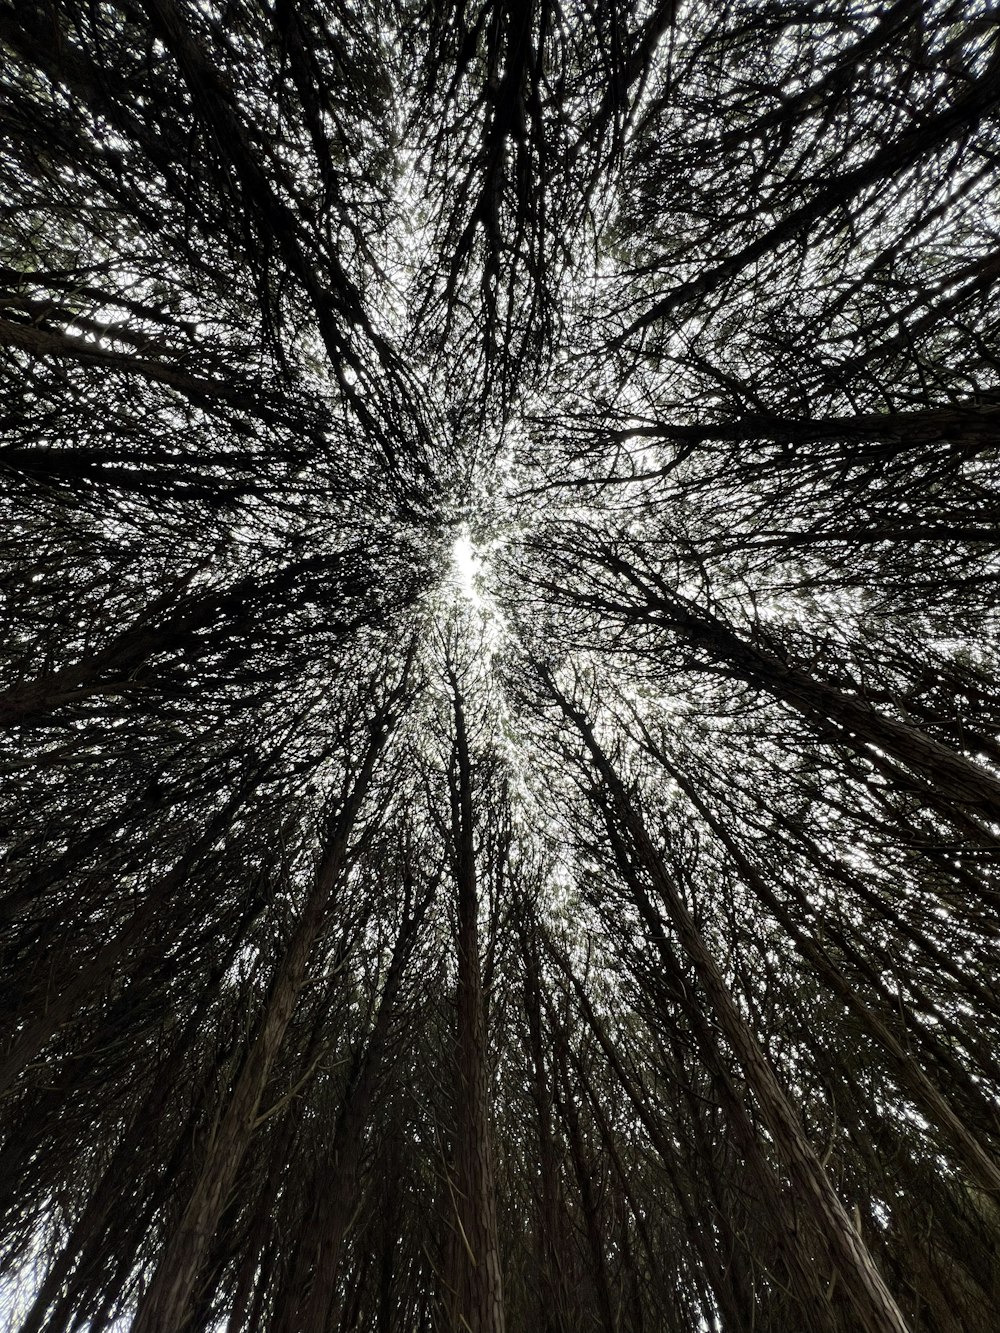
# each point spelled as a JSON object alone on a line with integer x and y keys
{"x": 466, "y": 566}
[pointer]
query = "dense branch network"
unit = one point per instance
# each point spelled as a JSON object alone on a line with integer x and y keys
{"x": 600, "y": 937}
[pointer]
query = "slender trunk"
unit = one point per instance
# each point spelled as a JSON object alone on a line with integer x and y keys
{"x": 785, "y": 1234}
{"x": 337, "y": 1184}
{"x": 251, "y": 1272}
{"x": 592, "y": 1221}
{"x": 629, "y": 1210}
{"x": 165, "y": 1304}
{"x": 880, "y": 436}
{"x": 874, "y": 1306}
{"x": 981, "y": 1167}
{"x": 855, "y": 722}
{"x": 476, "y": 1279}
{"x": 554, "y": 1316}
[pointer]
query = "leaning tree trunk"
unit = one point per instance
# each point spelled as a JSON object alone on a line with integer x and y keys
{"x": 953, "y": 782}
{"x": 165, "y": 1304}
{"x": 933, "y": 1103}
{"x": 550, "y": 1238}
{"x": 874, "y": 1306}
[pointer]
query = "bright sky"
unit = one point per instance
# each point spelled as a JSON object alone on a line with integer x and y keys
{"x": 466, "y": 564}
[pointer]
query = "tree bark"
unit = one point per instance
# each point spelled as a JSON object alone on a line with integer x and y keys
{"x": 857, "y": 724}
{"x": 873, "y": 1303}
{"x": 980, "y": 1165}
{"x": 475, "y": 1275}
{"x": 165, "y": 1304}
{"x": 337, "y": 1184}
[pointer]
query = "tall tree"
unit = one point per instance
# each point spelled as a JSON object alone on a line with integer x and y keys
{"x": 499, "y": 699}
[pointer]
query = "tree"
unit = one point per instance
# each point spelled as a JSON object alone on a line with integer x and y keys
{"x": 499, "y": 720}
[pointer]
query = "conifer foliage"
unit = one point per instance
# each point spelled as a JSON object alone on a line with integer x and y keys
{"x": 500, "y": 705}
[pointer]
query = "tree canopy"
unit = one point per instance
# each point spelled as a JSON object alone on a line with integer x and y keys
{"x": 500, "y": 708}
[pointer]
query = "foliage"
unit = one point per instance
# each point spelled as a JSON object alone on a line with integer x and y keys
{"x": 600, "y": 934}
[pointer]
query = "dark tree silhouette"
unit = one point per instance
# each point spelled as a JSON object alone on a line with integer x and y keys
{"x": 500, "y": 707}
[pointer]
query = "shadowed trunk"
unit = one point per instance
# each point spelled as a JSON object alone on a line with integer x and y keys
{"x": 875, "y": 1308}
{"x": 165, "y": 1304}
{"x": 336, "y": 1186}
{"x": 476, "y": 1282}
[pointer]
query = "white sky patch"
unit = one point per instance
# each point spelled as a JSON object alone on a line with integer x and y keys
{"x": 466, "y": 566}
{"x": 467, "y": 586}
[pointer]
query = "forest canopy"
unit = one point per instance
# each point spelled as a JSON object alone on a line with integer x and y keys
{"x": 500, "y": 700}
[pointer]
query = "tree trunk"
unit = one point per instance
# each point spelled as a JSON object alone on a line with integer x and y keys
{"x": 874, "y": 1306}
{"x": 981, "y": 1167}
{"x": 337, "y": 1184}
{"x": 550, "y": 1231}
{"x": 857, "y": 724}
{"x": 165, "y": 1304}
{"x": 477, "y": 1285}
